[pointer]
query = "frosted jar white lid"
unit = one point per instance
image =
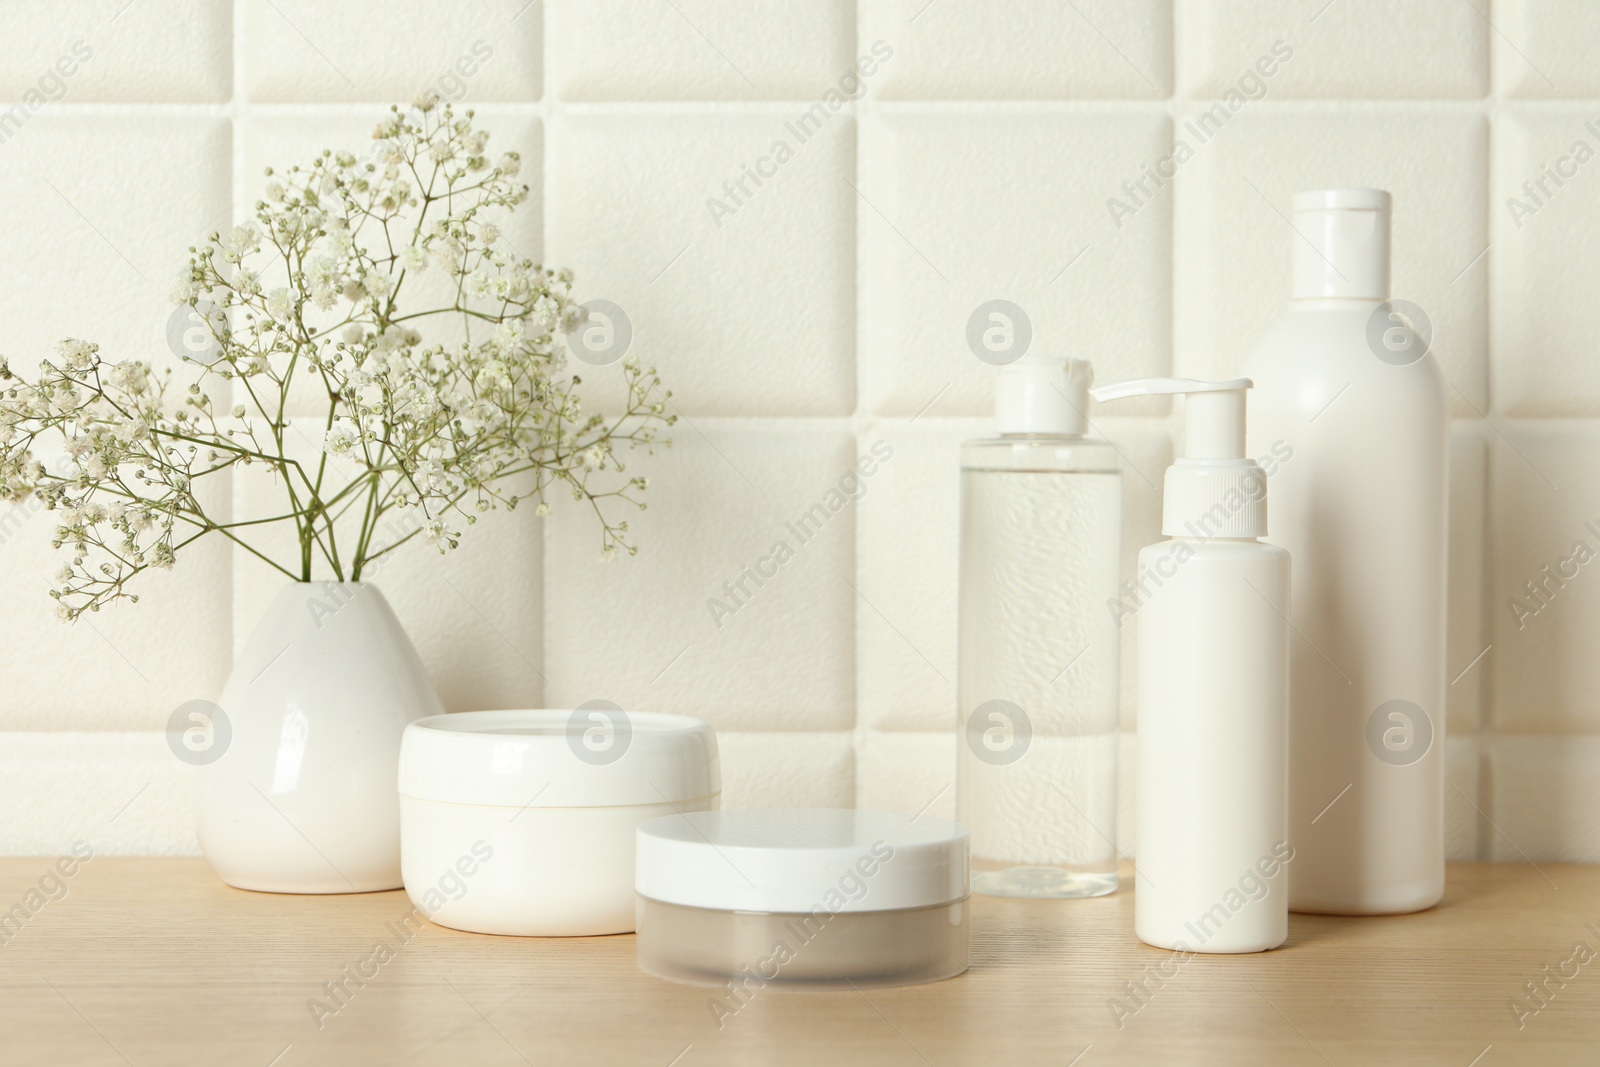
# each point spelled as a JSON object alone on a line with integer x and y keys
{"x": 799, "y": 859}
{"x": 594, "y": 756}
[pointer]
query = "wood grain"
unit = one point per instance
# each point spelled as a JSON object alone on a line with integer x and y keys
{"x": 154, "y": 961}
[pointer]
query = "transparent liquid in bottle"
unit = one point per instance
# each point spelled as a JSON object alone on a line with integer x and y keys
{"x": 1038, "y": 660}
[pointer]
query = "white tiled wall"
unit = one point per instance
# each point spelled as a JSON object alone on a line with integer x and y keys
{"x": 824, "y": 316}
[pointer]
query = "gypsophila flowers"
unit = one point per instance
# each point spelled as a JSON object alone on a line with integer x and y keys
{"x": 382, "y": 284}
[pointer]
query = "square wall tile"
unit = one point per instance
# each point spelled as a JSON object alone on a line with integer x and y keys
{"x": 129, "y": 665}
{"x": 1543, "y": 217}
{"x": 810, "y": 769}
{"x": 1545, "y": 48}
{"x": 701, "y": 49}
{"x": 476, "y": 613}
{"x": 1465, "y": 636}
{"x": 907, "y": 565}
{"x": 281, "y": 141}
{"x": 727, "y": 240}
{"x": 1234, "y": 240}
{"x": 473, "y": 613}
{"x": 1543, "y": 591}
{"x": 969, "y": 49}
{"x": 913, "y": 773}
{"x": 738, "y": 607}
{"x": 1546, "y": 800}
{"x": 962, "y": 209}
{"x": 302, "y": 51}
{"x": 906, "y": 611}
{"x": 112, "y": 51}
{"x": 121, "y": 794}
{"x": 87, "y": 259}
{"x": 1348, "y": 49}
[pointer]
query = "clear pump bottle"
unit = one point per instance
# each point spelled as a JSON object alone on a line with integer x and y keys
{"x": 1041, "y": 523}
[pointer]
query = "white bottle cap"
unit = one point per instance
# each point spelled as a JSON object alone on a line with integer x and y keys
{"x": 799, "y": 859}
{"x": 1213, "y": 491}
{"x": 1043, "y": 396}
{"x": 1342, "y": 247}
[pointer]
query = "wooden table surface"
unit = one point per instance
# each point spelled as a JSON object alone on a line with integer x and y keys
{"x": 154, "y": 961}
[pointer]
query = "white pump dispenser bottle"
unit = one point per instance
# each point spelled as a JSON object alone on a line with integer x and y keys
{"x": 1346, "y": 384}
{"x": 1212, "y": 604}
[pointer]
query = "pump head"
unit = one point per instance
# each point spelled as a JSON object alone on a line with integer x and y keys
{"x": 1214, "y": 490}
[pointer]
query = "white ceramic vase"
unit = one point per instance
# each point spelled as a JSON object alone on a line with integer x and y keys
{"x": 302, "y": 798}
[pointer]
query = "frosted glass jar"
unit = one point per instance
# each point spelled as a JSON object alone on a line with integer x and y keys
{"x": 801, "y": 898}
{"x": 523, "y": 822}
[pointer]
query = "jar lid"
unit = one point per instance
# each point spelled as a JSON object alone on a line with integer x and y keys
{"x": 801, "y": 860}
{"x": 595, "y": 756}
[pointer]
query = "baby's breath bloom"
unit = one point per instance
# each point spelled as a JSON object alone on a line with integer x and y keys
{"x": 186, "y": 288}
{"x": 242, "y": 241}
{"x": 438, "y": 411}
{"x": 131, "y": 429}
{"x": 280, "y": 304}
{"x": 247, "y": 283}
{"x": 342, "y": 436}
{"x": 76, "y": 354}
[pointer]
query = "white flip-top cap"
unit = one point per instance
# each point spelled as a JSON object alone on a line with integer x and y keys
{"x": 1213, "y": 491}
{"x": 1343, "y": 245}
{"x": 596, "y": 756}
{"x": 797, "y": 860}
{"x": 1043, "y": 396}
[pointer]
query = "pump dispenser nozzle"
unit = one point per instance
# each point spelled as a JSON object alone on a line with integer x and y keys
{"x": 1213, "y": 491}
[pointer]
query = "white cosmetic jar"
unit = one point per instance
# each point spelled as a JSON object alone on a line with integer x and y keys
{"x": 522, "y": 822}
{"x": 802, "y": 898}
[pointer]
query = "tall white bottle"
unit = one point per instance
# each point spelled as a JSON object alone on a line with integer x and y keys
{"x": 1347, "y": 389}
{"x": 1212, "y": 605}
